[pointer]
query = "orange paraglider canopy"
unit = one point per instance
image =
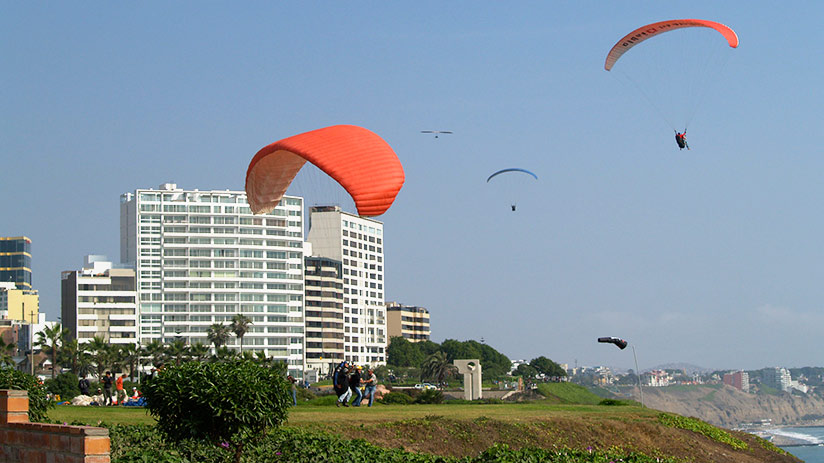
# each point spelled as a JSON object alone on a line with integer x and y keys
{"x": 361, "y": 161}
{"x": 651, "y": 30}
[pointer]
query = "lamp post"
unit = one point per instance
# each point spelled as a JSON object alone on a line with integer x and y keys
{"x": 622, "y": 344}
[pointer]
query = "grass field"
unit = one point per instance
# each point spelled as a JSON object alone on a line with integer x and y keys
{"x": 309, "y": 415}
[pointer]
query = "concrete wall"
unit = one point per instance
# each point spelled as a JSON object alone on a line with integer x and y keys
{"x": 25, "y": 442}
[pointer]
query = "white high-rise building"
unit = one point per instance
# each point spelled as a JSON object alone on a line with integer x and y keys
{"x": 358, "y": 243}
{"x": 201, "y": 257}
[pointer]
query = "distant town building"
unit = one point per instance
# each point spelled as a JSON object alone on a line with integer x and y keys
{"x": 656, "y": 378}
{"x": 358, "y": 243}
{"x": 777, "y": 378}
{"x": 324, "y": 313}
{"x": 407, "y": 321}
{"x": 100, "y": 300}
{"x": 739, "y": 380}
{"x": 15, "y": 261}
{"x": 18, "y": 304}
{"x": 201, "y": 257}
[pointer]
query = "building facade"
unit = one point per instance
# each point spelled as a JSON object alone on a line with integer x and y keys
{"x": 18, "y": 304}
{"x": 777, "y": 378}
{"x": 15, "y": 261}
{"x": 739, "y": 380}
{"x": 408, "y": 322}
{"x": 100, "y": 300}
{"x": 201, "y": 257}
{"x": 358, "y": 243}
{"x": 324, "y": 314}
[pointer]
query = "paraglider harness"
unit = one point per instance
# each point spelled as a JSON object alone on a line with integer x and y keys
{"x": 681, "y": 139}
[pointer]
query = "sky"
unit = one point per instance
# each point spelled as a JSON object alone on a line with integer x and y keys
{"x": 710, "y": 256}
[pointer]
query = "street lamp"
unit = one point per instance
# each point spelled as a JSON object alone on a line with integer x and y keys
{"x": 622, "y": 344}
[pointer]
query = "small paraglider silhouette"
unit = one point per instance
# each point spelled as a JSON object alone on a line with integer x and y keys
{"x": 436, "y": 132}
{"x": 513, "y": 169}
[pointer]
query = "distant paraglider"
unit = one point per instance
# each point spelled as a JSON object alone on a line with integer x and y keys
{"x": 358, "y": 159}
{"x": 436, "y": 132}
{"x": 515, "y": 170}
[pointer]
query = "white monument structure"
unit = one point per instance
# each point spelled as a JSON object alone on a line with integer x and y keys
{"x": 471, "y": 369}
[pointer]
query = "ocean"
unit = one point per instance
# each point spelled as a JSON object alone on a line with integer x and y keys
{"x": 812, "y": 437}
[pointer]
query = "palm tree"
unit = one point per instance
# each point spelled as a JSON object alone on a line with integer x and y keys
{"x": 129, "y": 355}
{"x": 224, "y": 353}
{"x": 178, "y": 350}
{"x": 100, "y": 352}
{"x": 240, "y": 325}
{"x": 49, "y": 341}
{"x": 199, "y": 351}
{"x": 437, "y": 367}
{"x": 218, "y": 334}
{"x": 6, "y": 353}
{"x": 156, "y": 351}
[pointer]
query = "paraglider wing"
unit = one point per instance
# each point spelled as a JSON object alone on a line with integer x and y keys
{"x": 651, "y": 30}
{"x": 514, "y": 169}
{"x": 613, "y": 340}
{"x": 358, "y": 159}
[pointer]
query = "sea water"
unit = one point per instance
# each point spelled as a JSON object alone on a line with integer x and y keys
{"x": 812, "y": 437}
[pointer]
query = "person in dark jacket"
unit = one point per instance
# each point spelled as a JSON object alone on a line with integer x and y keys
{"x": 108, "y": 381}
{"x": 681, "y": 139}
{"x": 355, "y": 385}
{"x": 84, "y": 386}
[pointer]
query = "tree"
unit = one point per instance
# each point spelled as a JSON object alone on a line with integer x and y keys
{"x": 218, "y": 334}
{"x": 402, "y": 353}
{"x": 526, "y": 371}
{"x": 547, "y": 366}
{"x": 130, "y": 355}
{"x": 178, "y": 350}
{"x": 6, "y": 353}
{"x": 199, "y": 351}
{"x": 101, "y": 355}
{"x": 156, "y": 352}
{"x": 49, "y": 341}
{"x": 240, "y": 325}
{"x": 437, "y": 367}
{"x": 242, "y": 402}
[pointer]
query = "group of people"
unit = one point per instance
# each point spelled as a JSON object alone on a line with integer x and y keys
{"x": 348, "y": 379}
{"x": 105, "y": 395}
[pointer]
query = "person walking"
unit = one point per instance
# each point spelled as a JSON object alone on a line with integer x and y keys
{"x": 343, "y": 385}
{"x": 355, "y": 386}
{"x": 121, "y": 393}
{"x": 107, "y": 388}
{"x": 371, "y": 382}
{"x": 293, "y": 383}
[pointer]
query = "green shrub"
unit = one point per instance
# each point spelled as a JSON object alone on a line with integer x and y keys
{"x": 430, "y": 396}
{"x": 64, "y": 385}
{"x": 705, "y": 429}
{"x": 397, "y": 398}
{"x": 617, "y": 402}
{"x": 231, "y": 403}
{"x": 39, "y": 403}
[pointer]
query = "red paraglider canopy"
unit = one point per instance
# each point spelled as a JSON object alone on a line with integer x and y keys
{"x": 361, "y": 161}
{"x": 651, "y": 30}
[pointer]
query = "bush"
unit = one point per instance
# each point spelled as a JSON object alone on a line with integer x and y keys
{"x": 430, "y": 396}
{"x": 64, "y": 385}
{"x": 39, "y": 403}
{"x": 230, "y": 403}
{"x": 397, "y": 398}
{"x": 613, "y": 402}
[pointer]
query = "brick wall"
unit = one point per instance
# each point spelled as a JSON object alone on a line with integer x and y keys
{"x": 25, "y": 442}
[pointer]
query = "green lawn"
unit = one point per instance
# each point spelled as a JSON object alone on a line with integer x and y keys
{"x": 309, "y": 415}
{"x": 94, "y": 415}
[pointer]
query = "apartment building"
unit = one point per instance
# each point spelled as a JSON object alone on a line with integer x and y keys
{"x": 100, "y": 300}
{"x": 407, "y": 321}
{"x": 324, "y": 314}
{"x": 358, "y": 243}
{"x": 201, "y": 256}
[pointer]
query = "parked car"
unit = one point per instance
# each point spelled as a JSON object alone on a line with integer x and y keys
{"x": 425, "y": 386}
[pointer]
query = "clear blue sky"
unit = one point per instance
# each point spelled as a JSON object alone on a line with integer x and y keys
{"x": 711, "y": 256}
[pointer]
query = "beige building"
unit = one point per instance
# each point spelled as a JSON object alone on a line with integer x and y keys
{"x": 100, "y": 300}
{"x": 409, "y": 322}
{"x": 323, "y": 313}
{"x": 18, "y": 304}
